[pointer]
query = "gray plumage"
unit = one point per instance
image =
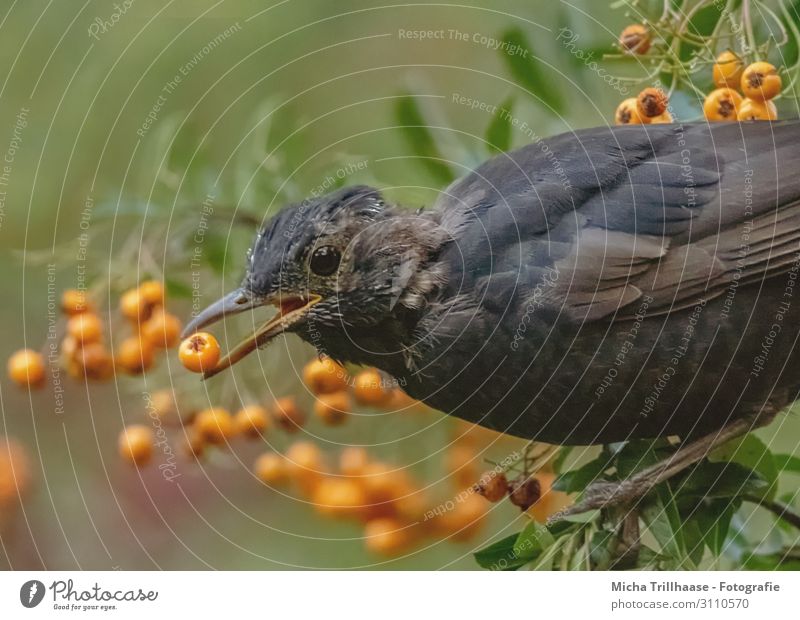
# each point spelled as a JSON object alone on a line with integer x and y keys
{"x": 605, "y": 284}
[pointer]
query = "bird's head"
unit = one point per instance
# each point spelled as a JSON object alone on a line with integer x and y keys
{"x": 343, "y": 260}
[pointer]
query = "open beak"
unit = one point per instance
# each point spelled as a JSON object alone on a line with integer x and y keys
{"x": 291, "y": 309}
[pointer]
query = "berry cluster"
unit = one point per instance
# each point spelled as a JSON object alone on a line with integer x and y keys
{"x": 743, "y": 93}
{"x": 84, "y": 354}
{"x": 758, "y": 84}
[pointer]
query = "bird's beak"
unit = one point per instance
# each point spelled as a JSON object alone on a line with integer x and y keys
{"x": 291, "y": 308}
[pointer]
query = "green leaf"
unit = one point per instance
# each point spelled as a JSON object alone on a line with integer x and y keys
{"x": 663, "y": 522}
{"x": 635, "y": 456}
{"x": 786, "y": 462}
{"x": 720, "y": 480}
{"x": 498, "y": 134}
{"x": 693, "y": 541}
{"x": 791, "y": 18}
{"x": 702, "y": 23}
{"x": 577, "y": 480}
{"x": 500, "y": 555}
{"x": 527, "y": 71}
{"x": 774, "y": 561}
{"x": 561, "y": 457}
{"x": 714, "y": 518}
{"x": 176, "y": 288}
{"x": 752, "y": 453}
{"x": 420, "y": 139}
{"x": 600, "y": 549}
{"x": 582, "y": 517}
{"x": 532, "y": 540}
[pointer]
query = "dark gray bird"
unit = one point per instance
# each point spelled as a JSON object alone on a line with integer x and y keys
{"x": 602, "y": 285}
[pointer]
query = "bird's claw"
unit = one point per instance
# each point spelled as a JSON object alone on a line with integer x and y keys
{"x": 604, "y": 494}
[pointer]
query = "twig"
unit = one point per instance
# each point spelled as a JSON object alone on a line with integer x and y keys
{"x": 783, "y": 511}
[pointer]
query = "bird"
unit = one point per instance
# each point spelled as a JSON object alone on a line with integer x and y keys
{"x": 598, "y": 286}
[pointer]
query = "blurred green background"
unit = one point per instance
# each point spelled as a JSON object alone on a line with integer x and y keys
{"x": 273, "y": 98}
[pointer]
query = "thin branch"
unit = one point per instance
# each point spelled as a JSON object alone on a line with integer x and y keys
{"x": 780, "y": 509}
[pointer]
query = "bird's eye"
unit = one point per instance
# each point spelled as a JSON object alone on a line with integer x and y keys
{"x": 325, "y": 260}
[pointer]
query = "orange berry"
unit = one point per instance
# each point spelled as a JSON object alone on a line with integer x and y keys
{"x": 193, "y": 444}
{"x": 387, "y": 536}
{"x": 271, "y": 469}
{"x": 400, "y": 401}
{"x": 369, "y": 389}
{"x": 94, "y": 361}
{"x": 334, "y": 408}
{"x": 215, "y": 425}
{"x": 753, "y": 110}
{"x": 411, "y": 505}
{"x": 134, "y": 306}
{"x": 162, "y": 330}
{"x": 26, "y": 368}
{"x": 382, "y": 483}
{"x": 628, "y": 113}
{"x": 666, "y": 117}
{"x": 85, "y": 327}
{"x": 251, "y": 421}
{"x": 74, "y": 302}
{"x": 760, "y": 81}
{"x": 492, "y": 485}
{"x": 162, "y": 404}
{"x": 288, "y": 415}
{"x": 727, "y": 71}
{"x": 69, "y": 348}
{"x": 722, "y": 105}
{"x": 635, "y": 39}
{"x": 152, "y": 293}
{"x": 461, "y": 462}
{"x": 15, "y": 470}
{"x": 353, "y": 461}
{"x": 199, "y": 352}
{"x": 466, "y": 518}
{"x": 339, "y": 497}
{"x": 134, "y": 355}
{"x": 651, "y": 102}
{"x": 304, "y": 456}
{"x": 550, "y": 501}
{"x": 323, "y": 376}
{"x": 136, "y": 444}
{"x": 525, "y": 492}
{"x": 69, "y": 358}
{"x": 305, "y": 465}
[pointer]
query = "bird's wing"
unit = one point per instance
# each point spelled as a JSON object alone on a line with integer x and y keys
{"x": 592, "y": 221}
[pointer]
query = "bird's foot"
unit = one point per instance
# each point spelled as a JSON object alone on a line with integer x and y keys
{"x": 603, "y": 494}
{"x": 628, "y": 492}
